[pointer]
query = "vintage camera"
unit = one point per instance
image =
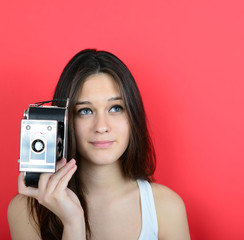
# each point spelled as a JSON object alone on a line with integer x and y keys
{"x": 43, "y": 139}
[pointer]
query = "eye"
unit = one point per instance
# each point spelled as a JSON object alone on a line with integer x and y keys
{"x": 116, "y": 108}
{"x": 85, "y": 111}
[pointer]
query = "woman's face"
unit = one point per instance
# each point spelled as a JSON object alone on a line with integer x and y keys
{"x": 101, "y": 123}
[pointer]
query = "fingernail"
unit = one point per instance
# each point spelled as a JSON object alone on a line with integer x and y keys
{"x": 72, "y": 160}
{"x": 63, "y": 160}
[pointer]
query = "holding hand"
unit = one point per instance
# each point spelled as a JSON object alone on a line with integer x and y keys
{"x": 54, "y": 194}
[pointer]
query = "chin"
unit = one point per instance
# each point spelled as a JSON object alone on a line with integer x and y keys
{"x": 101, "y": 160}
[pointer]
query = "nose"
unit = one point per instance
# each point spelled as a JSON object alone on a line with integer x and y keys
{"x": 101, "y": 124}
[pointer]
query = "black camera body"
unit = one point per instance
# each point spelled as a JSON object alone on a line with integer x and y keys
{"x": 43, "y": 140}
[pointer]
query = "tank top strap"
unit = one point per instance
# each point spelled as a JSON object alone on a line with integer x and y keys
{"x": 149, "y": 216}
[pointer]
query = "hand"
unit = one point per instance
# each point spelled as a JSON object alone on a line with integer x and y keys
{"x": 53, "y": 193}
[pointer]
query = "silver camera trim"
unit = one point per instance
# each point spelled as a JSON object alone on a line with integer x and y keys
{"x": 26, "y": 162}
{"x": 32, "y": 130}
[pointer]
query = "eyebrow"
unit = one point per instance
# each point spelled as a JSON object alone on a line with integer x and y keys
{"x": 88, "y": 102}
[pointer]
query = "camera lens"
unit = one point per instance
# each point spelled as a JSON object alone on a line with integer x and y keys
{"x": 38, "y": 145}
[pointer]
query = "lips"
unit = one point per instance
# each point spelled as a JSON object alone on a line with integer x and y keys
{"x": 102, "y": 144}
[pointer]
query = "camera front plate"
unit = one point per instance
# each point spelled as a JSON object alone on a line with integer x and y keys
{"x": 38, "y": 143}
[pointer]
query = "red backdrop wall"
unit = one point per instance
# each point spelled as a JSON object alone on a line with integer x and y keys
{"x": 187, "y": 57}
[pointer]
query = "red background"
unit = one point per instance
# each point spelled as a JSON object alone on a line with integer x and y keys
{"x": 187, "y": 57}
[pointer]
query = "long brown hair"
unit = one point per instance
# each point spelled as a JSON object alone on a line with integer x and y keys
{"x": 138, "y": 161}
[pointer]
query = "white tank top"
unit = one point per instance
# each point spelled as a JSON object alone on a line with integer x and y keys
{"x": 149, "y": 216}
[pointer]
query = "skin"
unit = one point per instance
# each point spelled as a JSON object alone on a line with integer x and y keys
{"x": 99, "y": 112}
{"x": 102, "y": 132}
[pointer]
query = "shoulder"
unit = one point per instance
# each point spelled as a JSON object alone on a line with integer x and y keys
{"x": 171, "y": 213}
{"x": 21, "y": 223}
{"x": 166, "y": 198}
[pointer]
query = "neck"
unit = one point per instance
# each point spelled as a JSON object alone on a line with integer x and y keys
{"x": 102, "y": 180}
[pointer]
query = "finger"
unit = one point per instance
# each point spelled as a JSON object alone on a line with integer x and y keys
{"x": 63, "y": 183}
{"x": 60, "y": 163}
{"x": 45, "y": 177}
{"x": 27, "y": 191}
{"x": 55, "y": 178}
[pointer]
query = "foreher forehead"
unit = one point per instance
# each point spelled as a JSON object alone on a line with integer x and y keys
{"x": 80, "y": 102}
{"x": 99, "y": 87}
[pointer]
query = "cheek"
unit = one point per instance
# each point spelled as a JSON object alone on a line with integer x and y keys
{"x": 124, "y": 130}
{"x": 79, "y": 130}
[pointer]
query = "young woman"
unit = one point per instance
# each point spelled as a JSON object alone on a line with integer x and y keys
{"x": 104, "y": 189}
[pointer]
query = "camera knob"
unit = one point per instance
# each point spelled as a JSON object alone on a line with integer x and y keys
{"x": 38, "y": 145}
{"x": 26, "y": 114}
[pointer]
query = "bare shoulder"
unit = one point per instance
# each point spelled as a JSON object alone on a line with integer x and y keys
{"x": 21, "y": 224}
{"x": 166, "y": 199}
{"x": 171, "y": 214}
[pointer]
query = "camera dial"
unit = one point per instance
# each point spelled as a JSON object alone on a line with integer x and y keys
{"x": 38, "y": 145}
